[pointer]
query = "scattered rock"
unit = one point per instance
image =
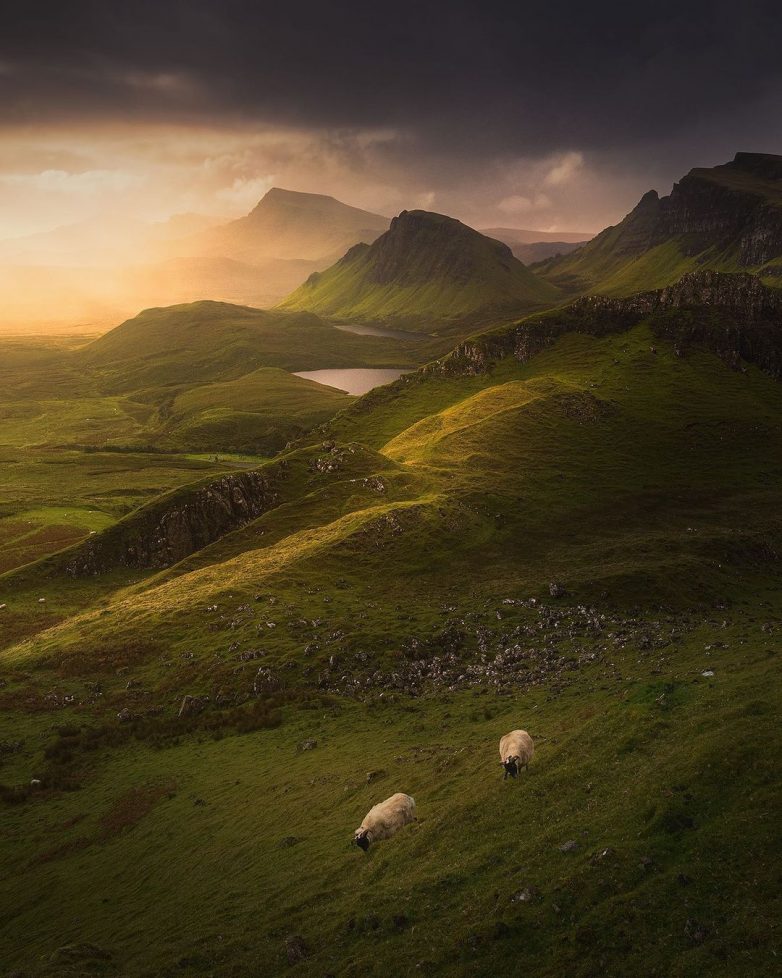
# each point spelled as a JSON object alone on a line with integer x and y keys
{"x": 80, "y": 952}
{"x": 556, "y": 590}
{"x": 296, "y": 949}
{"x": 377, "y": 775}
{"x": 525, "y": 895}
{"x": 696, "y": 931}
{"x": 266, "y": 681}
{"x": 306, "y": 745}
{"x": 289, "y": 842}
{"x": 708, "y": 673}
{"x": 193, "y": 705}
{"x": 124, "y": 715}
{"x": 570, "y": 846}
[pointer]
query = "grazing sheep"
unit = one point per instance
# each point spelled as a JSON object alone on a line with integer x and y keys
{"x": 384, "y": 820}
{"x": 516, "y": 750}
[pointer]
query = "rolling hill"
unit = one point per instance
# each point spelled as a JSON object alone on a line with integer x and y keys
{"x": 727, "y": 218}
{"x": 571, "y": 524}
{"x": 205, "y": 342}
{"x": 425, "y": 268}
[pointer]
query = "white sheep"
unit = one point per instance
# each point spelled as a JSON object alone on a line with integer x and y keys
{"x": 516, "y": 750}
{"x": 384, "y": 820}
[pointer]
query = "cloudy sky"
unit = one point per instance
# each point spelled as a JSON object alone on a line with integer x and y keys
{"x": 549, "y": 116}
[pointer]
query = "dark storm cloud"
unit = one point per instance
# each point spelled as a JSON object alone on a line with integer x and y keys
{"x": 469, "y": 78}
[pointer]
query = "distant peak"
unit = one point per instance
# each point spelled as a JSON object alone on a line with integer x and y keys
{"x": 280, "y": 193}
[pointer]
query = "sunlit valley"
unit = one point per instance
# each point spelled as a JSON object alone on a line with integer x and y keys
{"x": 322, "y": 471}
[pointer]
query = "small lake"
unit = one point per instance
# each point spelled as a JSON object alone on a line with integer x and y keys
{"x": 395, "y": 334}
{"x": 353, "y": 380}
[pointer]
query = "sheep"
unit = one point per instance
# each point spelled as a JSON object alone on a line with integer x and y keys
{"x": 384, "y": 820}
{"x": 516, "y": 750}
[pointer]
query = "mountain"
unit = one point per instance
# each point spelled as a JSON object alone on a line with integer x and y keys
{"x": 534, "y": 246}
{"x": 523, "y": 236}
{"x": 426, "y": 267}
{"x": 99, "y": 271}
{"x": 291, "y": 225}
{"x": 728, "y": 218}
{"x": 531, "y": 254}
{"x": 572, "y": 524}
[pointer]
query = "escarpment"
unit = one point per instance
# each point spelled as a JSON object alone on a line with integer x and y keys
{"x": 734, "y": 316}
{"x": 176, "y": 526}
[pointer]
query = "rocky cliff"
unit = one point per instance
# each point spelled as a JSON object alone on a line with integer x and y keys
{"x": 735, "y": 316}
{"x": 176, "y": 526}
{"x": 725, "y": 217}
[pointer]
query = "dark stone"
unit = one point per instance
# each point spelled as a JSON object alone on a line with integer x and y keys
{"x": 296, "y": 949}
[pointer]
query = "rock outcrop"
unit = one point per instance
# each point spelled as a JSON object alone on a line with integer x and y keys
{"x": 734, "y": 316}
{"x": 176, "y": 526}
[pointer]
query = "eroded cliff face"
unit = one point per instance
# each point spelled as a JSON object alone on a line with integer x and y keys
{"x": 725, "y": 217}
{"x": 710, "y": 215}
{"x": 735, "y": 316}
{"x": 176, "y": 526}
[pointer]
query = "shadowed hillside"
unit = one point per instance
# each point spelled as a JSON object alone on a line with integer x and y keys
{"x": 727, "y": 218}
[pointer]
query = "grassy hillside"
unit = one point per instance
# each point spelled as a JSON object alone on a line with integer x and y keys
{"x": 258, "y": 413}
{"x": 204, "y": 342}
{"x": 393, "y": 604}
{"x": 426, "y": 268}
{"x": 727, "y": 218}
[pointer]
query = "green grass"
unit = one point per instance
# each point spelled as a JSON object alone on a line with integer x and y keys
{"x": 208, "y": 342}
{"x": 206, "y": 856}
{"x": 259, "y": 412}
{"x": 397, "y": 592}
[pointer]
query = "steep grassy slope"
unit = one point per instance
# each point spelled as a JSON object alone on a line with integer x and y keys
{"x": 393, "y": 603}
{"x": 425, "y": 268}
{"x": 727, "y": 218}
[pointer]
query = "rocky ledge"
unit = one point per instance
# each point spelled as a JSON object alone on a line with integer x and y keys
{"x": 176, "y": 526}
{"x": 733, "y": 315}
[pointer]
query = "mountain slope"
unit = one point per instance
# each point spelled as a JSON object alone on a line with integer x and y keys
{"x": 727, "y": 218}
{"x": 291, "y": 225}
{"x": 425, "y": 267}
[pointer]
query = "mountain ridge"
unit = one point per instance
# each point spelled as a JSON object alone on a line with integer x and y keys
{"x": 727, "y": 217}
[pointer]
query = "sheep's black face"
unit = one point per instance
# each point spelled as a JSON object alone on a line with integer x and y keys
{"x": 511, "y": 767}
{"x": 362, "y": 841}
